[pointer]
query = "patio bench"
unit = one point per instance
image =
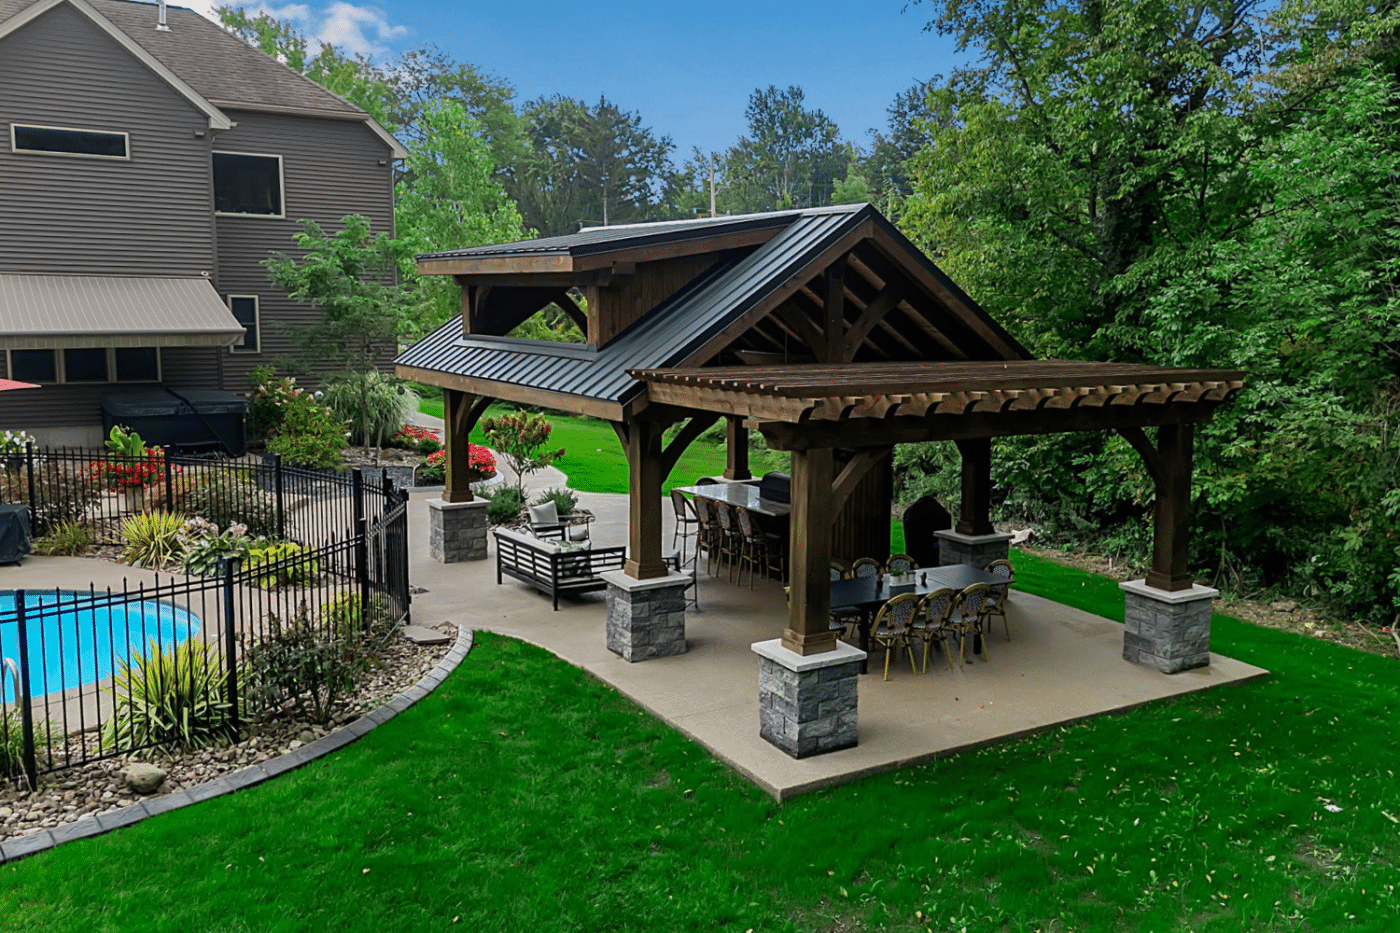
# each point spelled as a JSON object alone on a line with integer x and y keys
{"x": 551, "y": 567}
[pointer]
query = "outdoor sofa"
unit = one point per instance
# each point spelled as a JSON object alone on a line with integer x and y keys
{"x": 553, "y": 567}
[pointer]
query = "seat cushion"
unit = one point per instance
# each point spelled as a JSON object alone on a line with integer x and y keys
{"x": 545, "y": 514}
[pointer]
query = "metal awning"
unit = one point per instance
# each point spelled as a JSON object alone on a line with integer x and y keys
{"x": 58, "y": 311}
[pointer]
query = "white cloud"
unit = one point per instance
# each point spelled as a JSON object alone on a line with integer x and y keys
{"x": 355, "y": 29}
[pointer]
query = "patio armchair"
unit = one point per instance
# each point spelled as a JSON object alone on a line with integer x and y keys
{"x": 757, "y": 546}
{"x": 996, "y": 602}
{"x": 969, "y": 619}
{"x": 900, "y": 563}
{"x": 892, "y": 626}
{"x": 934, "y": 621}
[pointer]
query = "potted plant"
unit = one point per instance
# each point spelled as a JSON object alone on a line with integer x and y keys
{"x": 12, "y": 449}
{"x": 132, "y": 467}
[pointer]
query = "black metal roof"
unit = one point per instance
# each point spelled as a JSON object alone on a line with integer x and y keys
{"x": 666, "y": 336}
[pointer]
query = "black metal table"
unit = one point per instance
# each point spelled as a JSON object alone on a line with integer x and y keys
{"x": 863, "y": 595}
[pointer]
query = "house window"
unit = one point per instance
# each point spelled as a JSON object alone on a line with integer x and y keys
{"x": 57, "y": 140}
{"x": 245, "y": 311}
{"x": 248, "y": 184}
{"x": 86, "y": 364}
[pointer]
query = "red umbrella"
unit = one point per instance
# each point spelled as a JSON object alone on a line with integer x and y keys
{"x": 7, "y": 384}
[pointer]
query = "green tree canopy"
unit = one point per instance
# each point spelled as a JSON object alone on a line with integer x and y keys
{"x": 791, "y": 156}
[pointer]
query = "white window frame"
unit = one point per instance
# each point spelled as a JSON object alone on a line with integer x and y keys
{"x": 61, "y": 374}
{"x": 281, "y": 184}
{"x": 257, "y": 321}
{"x": 14, "y": 143}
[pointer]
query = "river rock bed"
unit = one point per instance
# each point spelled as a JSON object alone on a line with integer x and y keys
{"x": 81, "y": 792}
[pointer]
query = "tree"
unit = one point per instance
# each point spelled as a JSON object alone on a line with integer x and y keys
{"x": 449, "y": 198}
{"x": 520, "y": 437}
{"x": 887, "y": 167}
{"x": 588, "y": 165}
{"x": 349, "y": 277}
{"x": 790, "y": 158}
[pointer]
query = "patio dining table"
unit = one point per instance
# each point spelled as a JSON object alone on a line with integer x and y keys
{"x": 864, "y": 595}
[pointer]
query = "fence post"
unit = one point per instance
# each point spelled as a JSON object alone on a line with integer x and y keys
{"x": 230, "y": 647}
{"x": 33, "y": 492}
{"x": 169, "y": 484}
{"x": 361, "y": 540}
{"x": 281, "y": 502}
{"x": 26, "y": 710}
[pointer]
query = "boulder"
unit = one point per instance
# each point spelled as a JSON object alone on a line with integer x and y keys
{"x": 143, "y": 778}
{"x": 1284, "y": 605}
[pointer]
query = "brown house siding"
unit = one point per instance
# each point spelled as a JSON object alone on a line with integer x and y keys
{"x": 149, "y": 215}
{"x": 330, "y": 168}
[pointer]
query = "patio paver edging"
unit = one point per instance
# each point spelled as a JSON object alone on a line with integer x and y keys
{"x": 108, "y": 820}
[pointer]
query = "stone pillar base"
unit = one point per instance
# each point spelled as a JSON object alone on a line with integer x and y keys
{"x": 807, "y": 703}
{"x": 1164, "y": 630}
{"x": 456, "y": 530}
{"x": 974, "y": 550}
{"x": 646, "y": 618}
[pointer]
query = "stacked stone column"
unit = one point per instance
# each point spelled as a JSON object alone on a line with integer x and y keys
{"x": 457, "y": 530}
{"x": 1167, "y": 630}
{"x": 807, "y": 703}
{"x": 646, "y": 618}
{"x": 974, "y": 550}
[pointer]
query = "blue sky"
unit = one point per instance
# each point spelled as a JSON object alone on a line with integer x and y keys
{"x": 688, "y": 68}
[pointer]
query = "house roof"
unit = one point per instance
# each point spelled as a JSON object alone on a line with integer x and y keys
{"x": 43, "y": 311}
{"x": 222, "y": 70}
{"x": 691, "y": 326}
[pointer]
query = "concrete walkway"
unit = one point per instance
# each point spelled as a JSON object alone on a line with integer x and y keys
{"x": 1061, "y": 665}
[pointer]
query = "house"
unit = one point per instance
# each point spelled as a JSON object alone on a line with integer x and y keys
{"x": 149, "y": 162}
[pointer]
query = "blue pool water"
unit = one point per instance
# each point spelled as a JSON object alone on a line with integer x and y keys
{"x": 74, "y": 639}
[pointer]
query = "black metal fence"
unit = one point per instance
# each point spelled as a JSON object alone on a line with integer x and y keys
{"x": 92, "y": 674}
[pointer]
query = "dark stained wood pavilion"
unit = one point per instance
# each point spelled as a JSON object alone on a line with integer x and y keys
{"x": 826, "y": 330}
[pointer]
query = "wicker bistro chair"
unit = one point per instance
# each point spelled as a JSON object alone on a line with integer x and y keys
{"x": 757, "y": 547}
{"x": 844, "y": 622}
{"x": 996, "y": 603}
{"x": 892, "y": 627}
{"x": 934, "y": 621}
{"x": 900, "y": 563}
{"x": 728, "y": 549}
{"x": 865, "y": 567}
{"x": 686, "y": 517}
{"x": 969, "y": 618}
{"x": 707, "y": 532}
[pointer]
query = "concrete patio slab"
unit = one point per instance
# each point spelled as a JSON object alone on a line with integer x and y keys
{"x": 1061, "y": 665}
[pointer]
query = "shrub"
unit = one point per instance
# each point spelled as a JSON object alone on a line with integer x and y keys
{"x": 269, "y": 398}
{"x": 521, "y": 437}
{"x": 152, "y": 539}
{"x": 564, "y": 499}
{"x": 434, "y": 471}
{"x": 12, "y": 446}
{"x": 504, "y": 505}
{"x": 373, "y": 404}
{"x": 170, "y": 696}
{"x": 414, "y": 437}
{"x": 139, "y": 472}
{"x": 343, "y": 617}
{"x": 311, "y": 435}
{"x": 226, "y": 499}
{"x": 276, "y": 563}
{"x": 206, "y": 549}
{"x": 12, "y": 741}
{"x": 294, "y": 665}
{"x": 68, "y": 539}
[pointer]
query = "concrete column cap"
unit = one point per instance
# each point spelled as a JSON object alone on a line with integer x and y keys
{"x": 454, "y": 506}
{"x": 622, "y": 581}
{"x": 1171, "y": 597}
{"x": 774, "y": 651}
{"x": 993, "y": 538}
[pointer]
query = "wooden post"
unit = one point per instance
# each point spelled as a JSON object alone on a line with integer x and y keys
{"x": 809, "y": 609}
{"x": 457, "y": 427}
{"x": 736, "y": 446}
{"x": 975, "y": 516}
{"x": 1171, "y": 511}
{"x": 644, "y": 501}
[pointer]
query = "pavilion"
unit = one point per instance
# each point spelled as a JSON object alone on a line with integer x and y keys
{"x": 835, "y": 337}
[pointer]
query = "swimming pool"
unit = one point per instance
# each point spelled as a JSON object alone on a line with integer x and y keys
{"x": 77, "y": 639}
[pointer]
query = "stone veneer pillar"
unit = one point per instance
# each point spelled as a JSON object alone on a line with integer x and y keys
{"x": 457, "y": 530}
{"x": 807, "y": 703}
{"x": 974, "y": 550}
{"x": 1166, "y": 630}
{"x": 646, "y": 618}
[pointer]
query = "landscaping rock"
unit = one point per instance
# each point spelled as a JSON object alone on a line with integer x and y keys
{"x": 1284, "y": 605}
{"x": 306, "y": 737}
{"x": 143, "y": 778}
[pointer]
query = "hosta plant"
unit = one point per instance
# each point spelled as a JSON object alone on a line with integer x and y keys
{"x": 275, "y": 563}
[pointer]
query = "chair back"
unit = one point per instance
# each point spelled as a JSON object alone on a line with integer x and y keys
{"x": 726, "y": 522}
{"x": 837, "y": 572}
{"x": 746, "y": 524}
{"x": 702, "y": 510}
{"x": 900, "y": 563}
{"x": 707, "y": 481}
{"x": 865, "y": 567}
{"x": 974, "y": 599}
{"x": 1001, "y": 568}
{"x": 684, "y": 510}
{"x": 898, "y": 613}
{"x": 938, "y": 605}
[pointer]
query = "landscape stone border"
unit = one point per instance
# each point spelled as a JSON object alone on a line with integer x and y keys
{"x": 251, "y": 776}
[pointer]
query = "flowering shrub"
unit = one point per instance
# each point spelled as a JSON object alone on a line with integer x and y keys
{"x": 310, "y": 434}
{"x": 134, "y": 473}
{"x": 12, "y": 443}
{"x": 416, "y": 438}
{"x": 434, "y": 472}
{"x": 479, "y": 461}
{"x": 205, "y": 548}
{"x": 270, "y": 397}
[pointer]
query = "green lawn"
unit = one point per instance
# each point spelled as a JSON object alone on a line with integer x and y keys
{"x": 524, "y": 795}
{"x": 594, "y": 461}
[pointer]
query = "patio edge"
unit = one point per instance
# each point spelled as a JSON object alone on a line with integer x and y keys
{"x": 97, "y": 824}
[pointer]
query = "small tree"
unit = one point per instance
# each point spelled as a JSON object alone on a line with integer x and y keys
{"x": 520, "y": 438}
